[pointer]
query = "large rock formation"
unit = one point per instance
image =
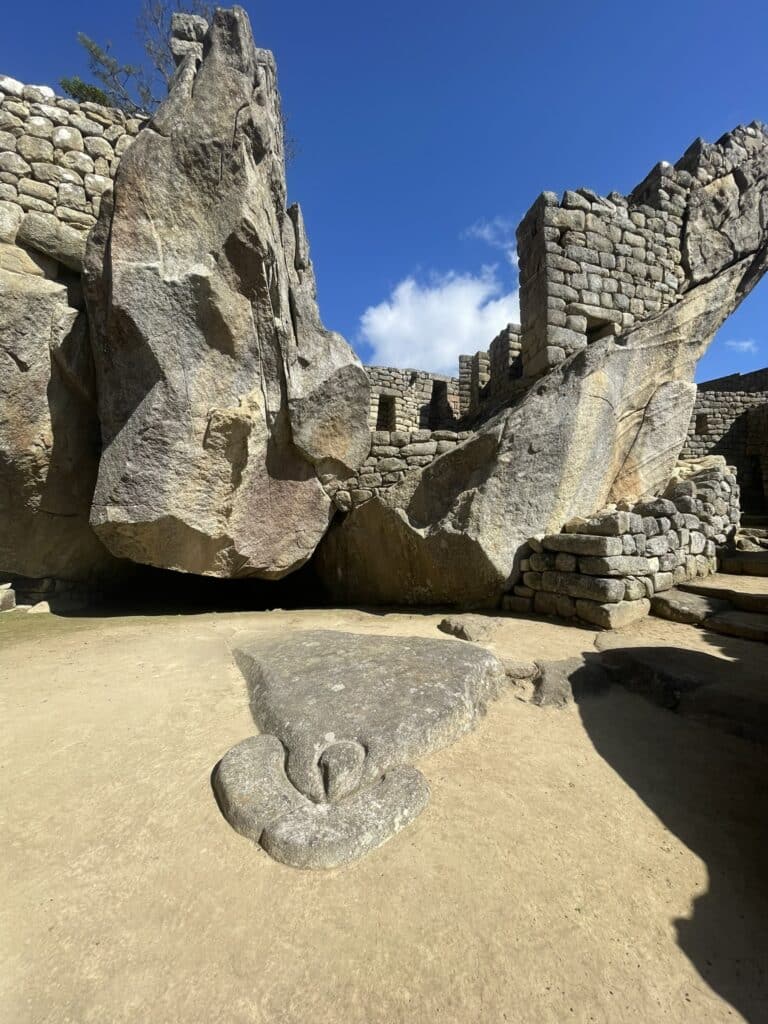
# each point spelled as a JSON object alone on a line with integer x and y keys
{"x": 49, "y": 433}
{"x": 221, "y": 397}
{"x": 607, "y": 423}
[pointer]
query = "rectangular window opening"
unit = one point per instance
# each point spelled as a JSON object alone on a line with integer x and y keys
{"x": 439, "y": 409}
{"x": 385, "y": 415}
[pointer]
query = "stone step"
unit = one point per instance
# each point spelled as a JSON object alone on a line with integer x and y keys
{"x": 748, "y": 593}
{"x": 679, "y": 605}
{"x": 726, "y": 695}
{"x": 734, "y": 622}
{"x": 751, "y": 563}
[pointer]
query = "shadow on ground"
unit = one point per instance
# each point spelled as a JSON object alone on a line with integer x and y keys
{"x": 710, "y": 788}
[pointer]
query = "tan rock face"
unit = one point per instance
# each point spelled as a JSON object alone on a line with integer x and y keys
{"x": 49, "y": 433}
{"x": 221, "y": 395}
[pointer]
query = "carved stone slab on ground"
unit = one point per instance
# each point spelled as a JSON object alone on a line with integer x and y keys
{"x": 342, "y": 717}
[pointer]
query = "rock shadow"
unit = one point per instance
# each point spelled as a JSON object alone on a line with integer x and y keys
{"x": 711, "y": 790}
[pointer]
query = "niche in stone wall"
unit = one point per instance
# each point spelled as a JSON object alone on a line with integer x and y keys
{"x": 439, "y": 409}
{"x": 598, "y": 328}
{"x": 386, "y": 414}
{"x": 702, "y": 423}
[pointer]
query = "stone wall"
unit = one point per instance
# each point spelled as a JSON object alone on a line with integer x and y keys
{"x": 757, "y": 445}
{"x": 58, "y": 157}
{"x": 392, "y": 454}
{"x": 591, "y": 266}
{"x": 720, "y": 426}
{"x": 605, "y": 570}
{"x": 491, "y": 379}
{"x": 403, "y": 400}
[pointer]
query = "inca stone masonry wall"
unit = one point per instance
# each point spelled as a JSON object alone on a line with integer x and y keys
{"x": 392, "y": 454}
{"x": 722, "y": 424}
{"x": 405, "y": 400}
{"x": 757, "y": 446}
{"x": 57, "y": 158}
{"x": 605, "y": 570}
{"x": 593, "y": 265}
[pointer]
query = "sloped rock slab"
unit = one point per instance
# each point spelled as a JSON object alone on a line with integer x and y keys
{"x": 747, "y": 625}
{"x": 343, "y": 715}
{"x": 680, "y": 606}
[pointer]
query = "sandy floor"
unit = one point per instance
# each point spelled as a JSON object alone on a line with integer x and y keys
{"x": 606, "y": 863}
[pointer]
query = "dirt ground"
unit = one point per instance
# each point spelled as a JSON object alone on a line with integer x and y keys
{"x": 603, "y": 863}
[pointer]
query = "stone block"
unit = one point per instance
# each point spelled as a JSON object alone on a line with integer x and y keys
{"x": 617, "y": 565}
{"x": 14, "y": 164}
{"x": 75, "y": 160}
{"x": 656, "y": 507}
{"x": 533, "y": 580}
{"x": 614, "y": 524}
{"x": 635, "y": 589}
{"x": 698, "y": 543}
{"x": 583, "y": 544}
{"x": 30, "y": 187}
{"x": 658, "y": 545}
{"x": 34, "y": 149}
{"x": 545, "y": 603}
{"x": 613, "y": 616}
{"x": 662, "y": 581}
{"x": 97, "y": 184}
{"x": 419, "y": 448}
{"x": 67, "y": 139}
{"x": 564, "y": 562}
{"x": 391, "y": 465}
{"x": 539, "y": 563}
{"x": 594, "y": 588}
{"x": 11, "y": 216}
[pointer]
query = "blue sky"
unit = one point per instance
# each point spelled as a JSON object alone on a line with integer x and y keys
{"x": 427, "y": 129}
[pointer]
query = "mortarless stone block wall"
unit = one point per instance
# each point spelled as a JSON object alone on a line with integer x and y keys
{"x": 58, "y": 157}
{"x": 412, "y": 399}
{"x": 606, "y": 570}
{"x": 721, "y": 423}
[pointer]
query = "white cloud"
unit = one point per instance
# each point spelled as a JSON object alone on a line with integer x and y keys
{"x": 426, "y": 326}
{"x": 742, "y": 346}
{"x": 498, "y": 232}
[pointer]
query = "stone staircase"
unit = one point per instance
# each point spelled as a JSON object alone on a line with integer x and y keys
{"x": 727, "y": 692}
{"x": 728, "y": 603}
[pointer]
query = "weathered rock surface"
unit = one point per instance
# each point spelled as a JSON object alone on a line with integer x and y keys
{"x": 343, "y": 716}
{"x": 726, "y": 695}
{"x": 734, "y": 622}
{"x": 679, "y": 606}
{"x": 222, "y": 399}
{"x": 474, "y": 628}
{"x": 49, "y": 433}
{"x": 261, "y": 804}
{"x": 605, "y": 425}
{"x": 559, "y": 683}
